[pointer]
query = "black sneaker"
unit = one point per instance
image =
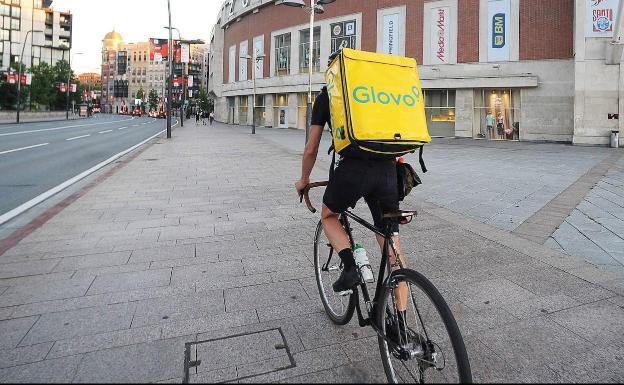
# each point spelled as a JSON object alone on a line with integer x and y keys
{"x": 349, "y": 278}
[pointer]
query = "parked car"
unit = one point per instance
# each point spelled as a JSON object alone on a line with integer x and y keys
{"x": 137, "y": 111}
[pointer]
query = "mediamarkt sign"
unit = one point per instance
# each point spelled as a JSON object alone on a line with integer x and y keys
{"x": 440, "y": 36}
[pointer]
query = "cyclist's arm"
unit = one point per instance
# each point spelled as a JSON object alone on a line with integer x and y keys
{"x": 310, "y": 153}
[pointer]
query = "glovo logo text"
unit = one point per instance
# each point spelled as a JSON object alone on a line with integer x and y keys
{"x": 366, "y": 95}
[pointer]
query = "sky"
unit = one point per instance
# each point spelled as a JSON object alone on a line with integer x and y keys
{"x": 135, "y": 20}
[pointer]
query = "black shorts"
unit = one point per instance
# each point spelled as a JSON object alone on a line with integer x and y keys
{"x": 373, "y": 180}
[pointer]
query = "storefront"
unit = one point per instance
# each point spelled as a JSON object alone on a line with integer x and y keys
{"x": 302, "y": 108}
{"x": 243, "y": 109}
{"x": 260, "y": 114}
{"x": 231, "y": 101}
{"x": 497, "y": 114}
{"x": 440, "y": 111}
{"x": 280, "y": 110}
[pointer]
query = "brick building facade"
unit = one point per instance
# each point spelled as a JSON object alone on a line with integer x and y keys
{"x": 494, "y": 69}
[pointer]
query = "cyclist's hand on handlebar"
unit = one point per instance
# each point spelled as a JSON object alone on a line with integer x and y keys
{"x": 300, "y": 186}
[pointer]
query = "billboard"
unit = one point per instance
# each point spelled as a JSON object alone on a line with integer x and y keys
{"x": 499, "y": 12}
{"x": 601, "y": 17}
{"x": 343, "y": 35}
{"x": 440, "y": 35}
{"x": 391, "y": 34}
{"x": 159, "y": 50}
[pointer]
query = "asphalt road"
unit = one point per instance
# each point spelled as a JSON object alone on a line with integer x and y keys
{"x": 36, "y": 157}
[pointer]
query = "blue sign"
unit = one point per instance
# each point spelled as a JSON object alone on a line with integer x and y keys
{"x": 499, "y": 27}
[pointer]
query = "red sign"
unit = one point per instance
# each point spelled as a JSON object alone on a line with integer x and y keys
{"x": 63, "y": 87}
{"x": 11, "y": 78}
{"x": 159, "y": 50}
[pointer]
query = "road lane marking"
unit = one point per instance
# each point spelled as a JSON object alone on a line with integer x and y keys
{"x": 35, "y": 201}
{"x": 78, "y": 137}
{"x": 136, "y": 125}
{"x": 122, "y": 128}
{"x": 23, "y": 148}
{"x": 61, "y": 128}
{"x": 105, "y": 132}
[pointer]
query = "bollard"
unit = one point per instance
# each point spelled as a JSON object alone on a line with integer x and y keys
{"x": 615, "y": 139}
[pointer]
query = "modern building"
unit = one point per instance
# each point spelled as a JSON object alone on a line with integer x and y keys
{"x": 528, "y": 70}
{"x": 50, "y": 45}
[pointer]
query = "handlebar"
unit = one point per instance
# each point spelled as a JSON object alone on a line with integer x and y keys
{"x": 306, "y": 191}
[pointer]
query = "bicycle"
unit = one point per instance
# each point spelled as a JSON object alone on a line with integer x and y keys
{"x": 411, "y": 349}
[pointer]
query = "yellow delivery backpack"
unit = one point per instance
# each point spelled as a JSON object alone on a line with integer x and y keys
{"x": 376, "y": 103}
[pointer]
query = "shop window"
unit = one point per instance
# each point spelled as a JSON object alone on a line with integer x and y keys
{"x": 280, "y": 110}
{"x": 260, "y": 111}
{"x": 304, "y": 50}
{"x": 282, "y": 54}
{"x": 440, "y": 112}
{"x": 231, "y": 109}
{"x": 497, "y": 114}
{"x": 302, "y": 108}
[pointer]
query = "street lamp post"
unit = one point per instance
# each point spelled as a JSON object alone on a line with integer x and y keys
{"x": 170, "y": 74}
{"x": 19, "y": 76}
{"x": 316, "y": 6}
{"x": 253, "y": 78}
{"x": 71, "y": 59}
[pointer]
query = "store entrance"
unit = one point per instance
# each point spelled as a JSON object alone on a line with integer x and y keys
{"x": 497, "y": 114}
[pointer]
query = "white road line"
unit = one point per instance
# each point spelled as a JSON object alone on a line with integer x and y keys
{"x": 23, "y": 148}
{"x": 105, "y": 132}
{"x": 61, "y": 128}
{"x": 136, "y": 125}
{"x": 35, "y": 201}
{"x": 78, "y": 137}
{"x": 122, "y": 128}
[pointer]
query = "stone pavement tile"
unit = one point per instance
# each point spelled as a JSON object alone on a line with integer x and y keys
{"x": 152, "y": 223}
{"x": 473, "y": 322}
{"x": 491, "y": 293}
{"x": 599, "y": 322}
{"x": 289, "y": 310}
{"x": 184, "y": 262}
{"x": 264, "y": 295}
{"x": 540, "y": 306}
{"x": 605, "y": 361}
{"x": 75, "y": 323}
{"x": 21, "y": 269}
{"x": 224, "y": 228}
{"x": 37, "y": 279}
{"x": 45, "y": 291}
{"x": 179, "y": 380}
{"x": 162, "y": 253}
{"x": 293, "y": 273}
{"x": 12, "y": 331}
{"x": 219, "y": 242}
{"x": 352, "y": 373}
{"x": 597, "y": 275}
{"x": 98, "y": 271}
{"x": 229, "y": 282}
{"x": 24, "y": 355}
{"x": 275, "y": 263}
{"x": 60, "y": 370}
{"x": 130, "y": 281}
{"x": 218, "y": 376}
{"x": 147, "y": 362}
{"x": 207, "y": 272}
{"x": 169, "y": 309}
{"x": 94, "y": 260}
{"x": 316, "y": 330}
{"x": 102, "y": 341}
{"x": 487, "y": 366}
{"x": 209, "y": 323}
{"x": 532, "y": 346}
{"x": 7, "y": 312}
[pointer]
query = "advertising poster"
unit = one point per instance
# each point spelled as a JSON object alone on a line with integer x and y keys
{"x": 391, "y": 34}
{"x": 259, "y": 51}
{"x": 232, "y": 65}
{"x": 440, "y": 35}
{"x": 499, "y": 12}
{"x": 185, "y": 53}
{"x": 343, "y": 35}
{"x": 159, "y": 50}
{"x": 242, "y": 66}
{"x": 601, "y": 17}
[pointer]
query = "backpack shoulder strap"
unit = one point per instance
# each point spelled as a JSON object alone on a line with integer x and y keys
{"x": 421, "y": 160}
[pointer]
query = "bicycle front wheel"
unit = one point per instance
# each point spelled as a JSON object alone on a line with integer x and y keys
{"x": 327, "y": 268}
{"x": 426, "y": 344}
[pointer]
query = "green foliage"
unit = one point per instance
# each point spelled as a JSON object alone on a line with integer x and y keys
{"x": 204, "y": 102}
{"x": 153, "y": 99}
{"x": 42, "y": 91}
{"x": 140, "y": 94}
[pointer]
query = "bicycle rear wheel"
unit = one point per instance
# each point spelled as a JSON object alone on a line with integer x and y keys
{"x": 431, "y": 348}
{"x": 327, "y": 269}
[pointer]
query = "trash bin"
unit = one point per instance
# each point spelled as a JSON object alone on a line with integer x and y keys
{"x": 615, "y": 139}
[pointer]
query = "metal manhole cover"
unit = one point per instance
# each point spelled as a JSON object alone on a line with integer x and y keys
{"x": 237, "y": 357}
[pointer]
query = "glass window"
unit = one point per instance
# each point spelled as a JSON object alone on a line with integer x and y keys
{"x": 282, "y": 54}
{"x": 343, "y": 35}
{"x": 304, "y": 50}
{"x": 242, "y": 109}
{"x": 440, "y": 112}
{"x": 497, "y": 114}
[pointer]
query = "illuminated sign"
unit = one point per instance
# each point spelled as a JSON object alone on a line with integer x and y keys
{"x": 498, "y": 28}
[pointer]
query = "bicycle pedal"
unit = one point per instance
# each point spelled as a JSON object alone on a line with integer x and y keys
{"x": 345, "y": 293}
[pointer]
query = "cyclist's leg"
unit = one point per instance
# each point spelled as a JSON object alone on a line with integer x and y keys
{"x": 334, "y": 230}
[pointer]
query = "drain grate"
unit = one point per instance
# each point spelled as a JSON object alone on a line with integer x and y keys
{"x": 237, "y": 357}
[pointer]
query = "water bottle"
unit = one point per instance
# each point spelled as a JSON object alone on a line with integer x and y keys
{"x": 361, "y": 260}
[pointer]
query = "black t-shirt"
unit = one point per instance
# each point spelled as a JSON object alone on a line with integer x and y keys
{"x": 320, "y": 111}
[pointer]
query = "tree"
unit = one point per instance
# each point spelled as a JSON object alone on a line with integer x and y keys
{"x": 153, "y": 99}
{"x": 205, "y": 103}
{"x": 42, "y": 90}
{"x": 8, "y": 92}
{"x": 140, "y": 94}
{"x": 62, "y": 72}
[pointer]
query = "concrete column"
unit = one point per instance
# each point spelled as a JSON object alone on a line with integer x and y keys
{"x": 293, "y": 104}
{"x": 250, "y": 109}
{"x": 236, "y": 112}
{"x": 268, "y": 109}
{"x": 464, "y": 113}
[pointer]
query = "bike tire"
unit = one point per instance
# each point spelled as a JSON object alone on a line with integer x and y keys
{"x": 339, "y": 315}
{"x": 413, "y": 278}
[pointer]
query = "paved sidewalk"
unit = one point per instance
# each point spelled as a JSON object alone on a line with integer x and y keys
{"x": 201, "y": 238}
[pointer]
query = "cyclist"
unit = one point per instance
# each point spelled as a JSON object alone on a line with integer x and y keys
{"x": 354, "y": 178}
